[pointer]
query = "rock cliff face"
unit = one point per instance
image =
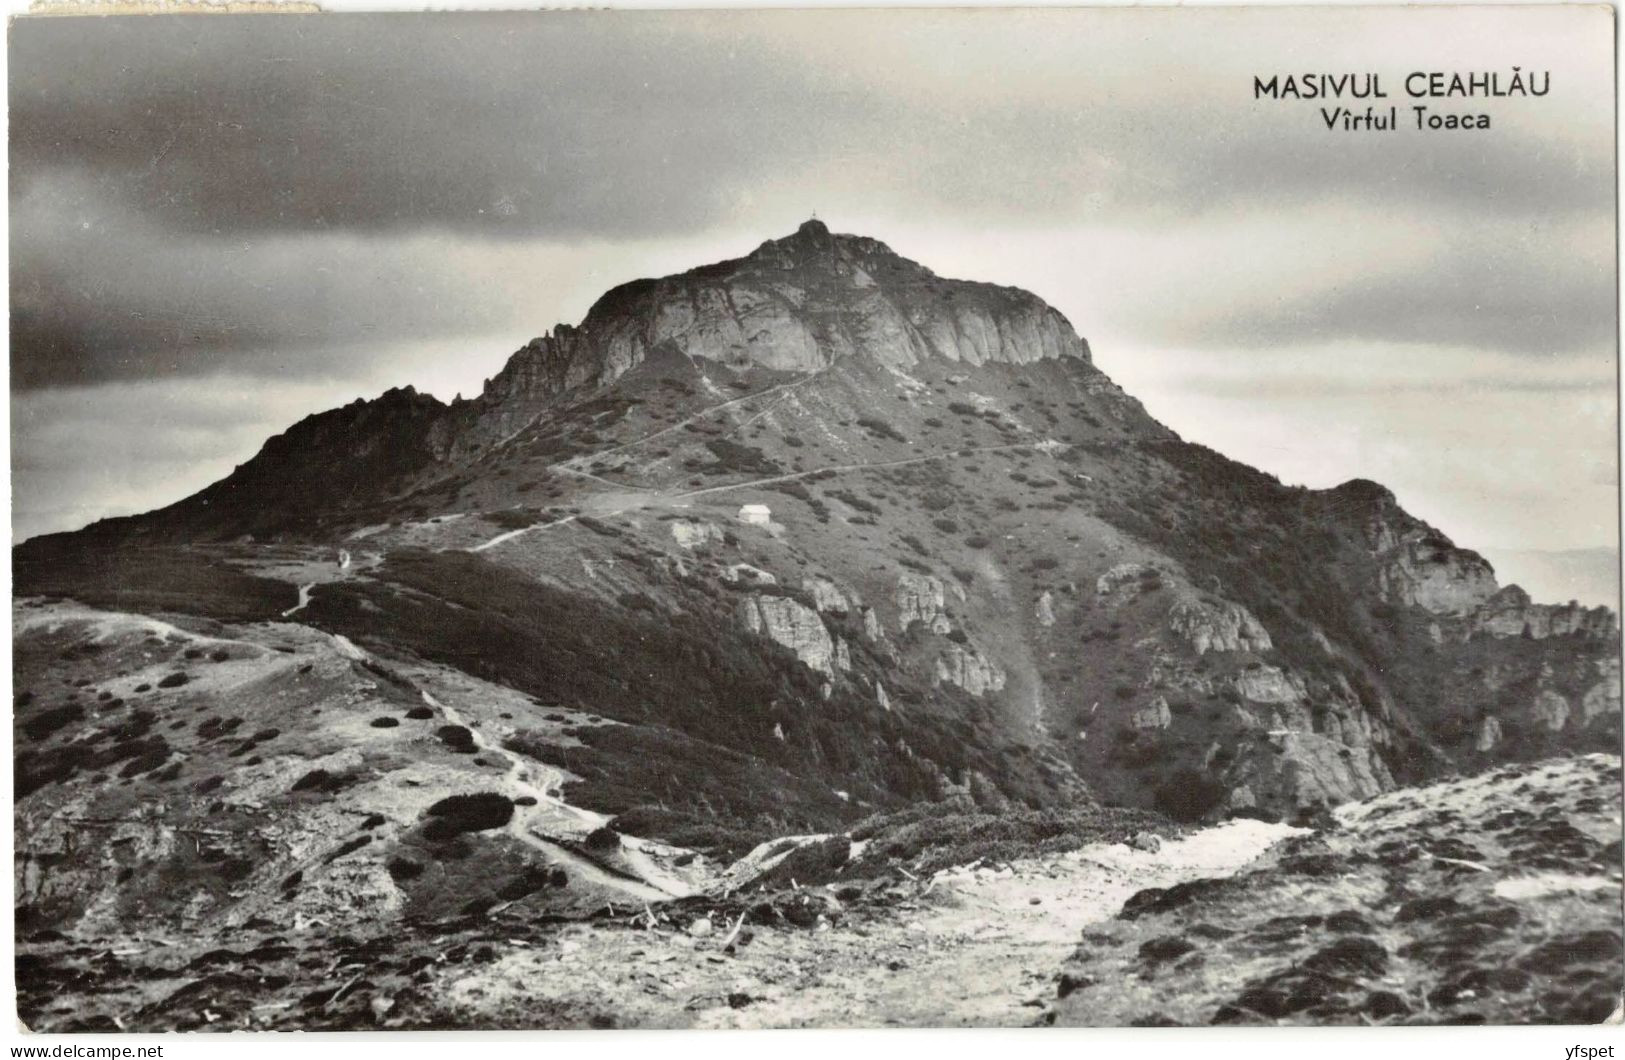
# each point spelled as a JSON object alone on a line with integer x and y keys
{"x": 827, "y": 596}
{"x": 1221, "y": 626}
{"x": 970, "y": 670}
{"x": 1510, "y": 613}
{"x": 920, "y": 599}
{"x": 793, "y": 625}
{"x": 797, "y": 304}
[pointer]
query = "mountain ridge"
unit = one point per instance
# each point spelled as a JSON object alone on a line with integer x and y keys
{"x": 976, "y": 565}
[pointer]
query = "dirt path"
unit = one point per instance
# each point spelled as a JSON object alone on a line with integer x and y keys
{"x": 511, "y": 534}
{"x": 304, "y": 599}
{"x": 841, "y": 468}
{"x": 655, "y": 496}
{"x": 986, "y": 952}
{"x": 980, "y": 948}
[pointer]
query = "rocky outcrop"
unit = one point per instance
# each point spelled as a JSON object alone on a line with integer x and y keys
{"x": 1155, "y": 715}
{"x": 1433, "y": 575}
{"x": 827, "y": 596}
{"x": 1044, "y": 610}
{"x": 690, "y": 533}
{"x": 1604, "y": 696}
{"x": 970, "y": 670}
{"x": 1124, "y": 574}
{"x": 793, "y": 625}
{"x": 747, "y": 574}
{"x": 1217, "y": 626}
{"x": 1307, "y": 769}
{"x": 1550, "y": 709}
{"x": 920, "y": 599}
{"x": 1270, "y": 684}
{"x": 1416, "y": 565}
{"x": 1489, "y": 735}
{"x": 1510, "y": 613}
{"x": 778, "y": 307}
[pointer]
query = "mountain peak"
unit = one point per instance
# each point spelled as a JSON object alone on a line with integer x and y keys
{"x": 799, "y": 303}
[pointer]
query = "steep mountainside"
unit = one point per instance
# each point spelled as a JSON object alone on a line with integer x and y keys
{"x": 754, "y": 550}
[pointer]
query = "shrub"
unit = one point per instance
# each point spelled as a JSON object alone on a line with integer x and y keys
{"x": 880, "y": 428}
{"x": 469, "y": 813}
{"x": 513, "y": 518}
{"x": 401, "y": 869}
{"x": 852, "y": 500}
{"x": 731, "y": 456}
{"x": 457, "y": 738}
{"x": 812, "y": 864}
{"x": 1189, "y": 795}
{"x": 50, "y": 721}
{"x": 318, "y": 780}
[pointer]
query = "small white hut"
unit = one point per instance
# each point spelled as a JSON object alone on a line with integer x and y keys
{"x": 755, "y": 514}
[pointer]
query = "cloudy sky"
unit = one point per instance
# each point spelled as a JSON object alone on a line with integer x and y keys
{"x": 222, "y": 223}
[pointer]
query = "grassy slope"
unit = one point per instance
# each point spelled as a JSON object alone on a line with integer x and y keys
{"x": 987, "y": 513}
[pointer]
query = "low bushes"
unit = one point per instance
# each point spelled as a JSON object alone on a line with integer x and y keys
{"x": 954, "y": 832}
{"x": 468, "y": 813}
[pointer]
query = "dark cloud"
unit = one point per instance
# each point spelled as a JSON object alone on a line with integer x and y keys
{"x": 1502, "y": 289}
{"x": 564, "y": 125}
{"x": 96, "y": 294}
{"x": 592, "y": 123}
{"x": 279, "y": 199}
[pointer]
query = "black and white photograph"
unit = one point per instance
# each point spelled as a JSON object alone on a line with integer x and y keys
{"x": 987, "y": 517}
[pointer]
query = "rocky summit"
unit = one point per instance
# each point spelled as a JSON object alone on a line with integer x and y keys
{"x": 805, "y": 566}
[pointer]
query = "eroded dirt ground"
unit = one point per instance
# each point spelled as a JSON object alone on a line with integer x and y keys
{"x": 970, "y": 947}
